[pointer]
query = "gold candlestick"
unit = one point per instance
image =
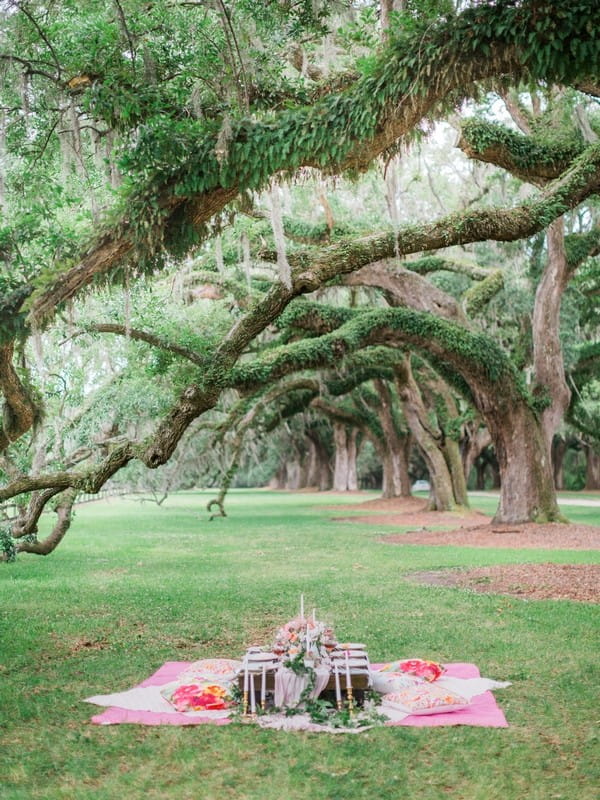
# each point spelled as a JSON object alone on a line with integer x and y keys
{"x": 350, "y": 700}
{"x": 245, "y": 704}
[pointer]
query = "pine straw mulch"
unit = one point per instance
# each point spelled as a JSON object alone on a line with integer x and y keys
{"x": 529, "y": 581}
{"x": 472, "y": 529}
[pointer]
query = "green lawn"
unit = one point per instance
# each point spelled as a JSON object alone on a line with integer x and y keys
{"x": 134, "y": 585}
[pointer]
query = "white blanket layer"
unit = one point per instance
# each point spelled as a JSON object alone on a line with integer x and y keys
{"x": 149, "y": 698}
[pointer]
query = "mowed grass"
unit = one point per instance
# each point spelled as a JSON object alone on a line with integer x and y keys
{"x": 134, "y": 585}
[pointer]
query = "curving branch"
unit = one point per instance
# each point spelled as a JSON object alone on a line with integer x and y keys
{"x": 405, "y": 288}
{"x": 485, "y": 366}
{"x": 64, "y": 509}
{"x": 26, "y": 522}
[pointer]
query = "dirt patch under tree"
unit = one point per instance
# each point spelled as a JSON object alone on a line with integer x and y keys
{"x": 473, "y": 529}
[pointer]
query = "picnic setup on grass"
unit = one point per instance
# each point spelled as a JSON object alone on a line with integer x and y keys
{"x": 305, "y": 679}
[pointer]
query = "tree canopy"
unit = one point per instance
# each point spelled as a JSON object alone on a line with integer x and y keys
{"x": 148, "y": 145}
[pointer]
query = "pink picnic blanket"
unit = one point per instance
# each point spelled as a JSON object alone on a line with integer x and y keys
{"x": 483, "y": 710}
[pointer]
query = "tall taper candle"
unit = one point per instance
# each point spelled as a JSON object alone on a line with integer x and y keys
{"x": 314, "y": 615}
{"x": 263, "y": 688}
{"x": 338, "y": 690}
{"x": 348, "y": 681}
{"x": 245, "y": 698}
{"x": 252, "y": 696}
{"x": 301, "y": 606}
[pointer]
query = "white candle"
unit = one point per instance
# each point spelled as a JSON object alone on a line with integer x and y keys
{"x": 348, "y": 681}
{"x": 307, "y": 639}
{"x": 301, "y": 606}
{"x": 263, "y": 686}
{"x": 338, "y": 691}
{"x": 252, "y": 697}
{"x": 314, "y": 615}
{"x": 246, "y": 678}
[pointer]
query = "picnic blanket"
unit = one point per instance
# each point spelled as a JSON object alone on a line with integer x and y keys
{"x": 145, "y": 705}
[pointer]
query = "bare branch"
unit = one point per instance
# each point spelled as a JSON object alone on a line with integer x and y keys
{"x": 42, "y": 35}
{"x": 149, "y": 338}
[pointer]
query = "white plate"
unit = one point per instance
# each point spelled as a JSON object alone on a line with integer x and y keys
{"x": 260, "y": 658}
{"x": 358, "y": 663}
{"x": 340, "y": 655}
{"x": 351, "y": 646}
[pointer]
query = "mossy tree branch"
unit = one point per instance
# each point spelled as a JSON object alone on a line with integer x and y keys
{"x": 529, "y": 158}
{"x": 420, "y": 73}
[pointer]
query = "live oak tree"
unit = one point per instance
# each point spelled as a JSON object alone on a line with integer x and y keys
{"x": 188, "y": 130}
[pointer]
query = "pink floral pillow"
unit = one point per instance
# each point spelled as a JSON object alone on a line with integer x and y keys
{"x": 197, "y": 697}
{"x": 425, "y": 699}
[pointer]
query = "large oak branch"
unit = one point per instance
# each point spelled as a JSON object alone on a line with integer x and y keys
{"x": 419, "y": 74}
{"x": 529, "y": 158}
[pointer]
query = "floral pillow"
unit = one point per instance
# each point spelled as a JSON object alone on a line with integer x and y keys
{"x": 426, "y": 670}
{"x": 425, "y": 699}
{"x": 385, "y": 682}
{"x": 197, "y": 697}
{"x": 214, "y": 670}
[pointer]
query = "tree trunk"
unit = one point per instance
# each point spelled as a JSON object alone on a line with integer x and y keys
{"x": 345, "y": 476}
{"x": 450, "y": 447}
{"x": 18, "y": 411}
{"x": 494, "y": 471}
{"x": 394, "y": 456}
{"x": 548, "y": 362}
{"x": 351, "y": 440}
{"x": 294, "y": 475}
{"x": 559, "y": 449}
{"x": 319, "y": 470}
{"x": 427, "y": 439}
{"x": 480, "y": 467}
{"x": 391, "y": 475}
{"x": 592, "y": 475}
{"x": 527, "y": 485}
{"x": 476, "y": 437}
{"x": 278, "y": 480}
{"x": 454, "y": 461}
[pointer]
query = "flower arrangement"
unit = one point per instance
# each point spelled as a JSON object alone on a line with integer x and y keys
{"x": 303, "y": 638}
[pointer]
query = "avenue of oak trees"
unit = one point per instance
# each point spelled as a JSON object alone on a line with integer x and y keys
{"x": 168, "y": 120}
